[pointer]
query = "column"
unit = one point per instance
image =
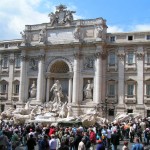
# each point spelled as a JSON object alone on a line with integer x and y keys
{"x": 121, "y": 83}
{"x": 70, "y": 91}
{"x": 11, "y": 76}
{"x": 140, "y": 65}
{"x": 40, "y": 80}
{"x": 98, "y": 75}
{"x": 76, "y": 79}
{"x": 22, "y": 77}
{"x": 47, "y": 89}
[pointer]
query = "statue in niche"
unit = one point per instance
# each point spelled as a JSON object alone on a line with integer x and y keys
{"x": 42, "y": 36}
{"x": 88, "y": 90}
{"x": 57, "y": 91}
{"x": 33, "y": 90}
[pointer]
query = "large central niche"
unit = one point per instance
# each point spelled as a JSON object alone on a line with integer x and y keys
{"x": 59, "y": 67}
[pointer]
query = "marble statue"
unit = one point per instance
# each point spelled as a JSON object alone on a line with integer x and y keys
{"x": 64, "y": 110}
{"x": 61, "y": 16}
{"x": 57, "y": 91}
{"x": 25, "y": 37}
{"x": 33, "y": 90}
{"x": 42, "y": 35}
{"x": 88, "y": 93}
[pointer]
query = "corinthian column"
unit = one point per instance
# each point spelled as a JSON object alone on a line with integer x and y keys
{"x": 41, "y": 80}
{"x": 98, "y": 76}
{"x": 75, "y": 95}
{"x": 22, "y": 78}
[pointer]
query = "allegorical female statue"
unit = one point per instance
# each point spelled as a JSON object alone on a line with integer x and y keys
{"x": 33, "y": 90}
{"x": 88, "y": 90}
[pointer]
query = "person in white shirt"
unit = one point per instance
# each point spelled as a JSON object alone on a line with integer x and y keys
{"x": 53, "y": 143}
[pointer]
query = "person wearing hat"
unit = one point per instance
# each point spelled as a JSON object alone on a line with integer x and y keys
{"x": 100, "y": 145}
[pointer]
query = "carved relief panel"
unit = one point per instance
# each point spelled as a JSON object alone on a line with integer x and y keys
{"x": 88, "y": 63}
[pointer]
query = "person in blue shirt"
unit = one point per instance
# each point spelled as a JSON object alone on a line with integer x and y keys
{"x": 137, "y": 145}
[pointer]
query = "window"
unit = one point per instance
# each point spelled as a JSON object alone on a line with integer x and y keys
{"x": 17, "y": 61}
{"x": 130, "y": 58}
{"x": 148, "y": 90}
{"x": 129, "y": 110}
{"x": 16, "y": 90}
{"x": 148, "y": 113}
{"x": 6, "y": 45}
{"x": 112, "y": 59}
{"x": 111, "y": 112}
{"x": 2, "y": 107}
{"x": 130, "y": 38}
{"x": 3, "y": 88}
{"x": 111, "y": 90}
{"x": 112, "y": 38}
{"x": 5, "y": 62}
{"x": 148, "y": 37}
{"x": 130, "y": 89}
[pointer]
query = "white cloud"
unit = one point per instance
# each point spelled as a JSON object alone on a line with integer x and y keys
{"x": 141, "y": 27}
{"x": 112, "y": 29}
{"x": 16, "y": 14}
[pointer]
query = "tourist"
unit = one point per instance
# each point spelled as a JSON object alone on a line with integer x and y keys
{"x": 137, "y": 145}
{"x": 31, "y": 143}
{"x": 58, "y": 142}
{"x": 139, "y": 133}
{"x": 131, "y": 132}
{"x": 100, "y": 145}
{"x": 81, "y": 145}
{"x": 52, "y": 142}
{"x": 146, "y": 136}
{"x": 92, "y": 138}
{"x": 114, "y": 140}
{"x": 4, "y": 143}
{"x": 44, "y": 143}
{"x": 77, "y": 140}
{"x": 125, "y": 146}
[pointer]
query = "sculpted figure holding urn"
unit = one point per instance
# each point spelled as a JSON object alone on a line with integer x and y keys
{"x": 88, "y": 94}
{"x": 33, "y": 90}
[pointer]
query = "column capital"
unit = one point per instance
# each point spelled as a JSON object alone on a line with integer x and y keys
{"x": 140, "y": 56}
{"x": 77, "y": 55}
{"x": 121, "y": 56}
{"x": 41, "y": 57}
{"x": 23, "y": 58}
{"x": 11, "y": 60}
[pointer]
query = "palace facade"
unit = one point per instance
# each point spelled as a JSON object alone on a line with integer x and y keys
{"x": 76, "y": 52}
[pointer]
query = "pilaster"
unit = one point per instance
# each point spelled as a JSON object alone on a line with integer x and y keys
{"x": 140, "y": 66}
{"x": 121, "y": 66}
{"x": 11, "y": 76}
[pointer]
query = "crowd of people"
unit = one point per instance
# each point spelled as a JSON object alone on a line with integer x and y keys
{"x": 98, "y": 137}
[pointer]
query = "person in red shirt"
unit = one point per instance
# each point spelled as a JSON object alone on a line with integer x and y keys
{"x": 92, "y": 138}
{"x": 52, "y": 131}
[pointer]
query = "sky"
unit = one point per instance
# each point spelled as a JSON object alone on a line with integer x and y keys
{"x": 121, "y": 15}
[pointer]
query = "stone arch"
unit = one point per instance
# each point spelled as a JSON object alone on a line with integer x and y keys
{"x": 63, "y": 64}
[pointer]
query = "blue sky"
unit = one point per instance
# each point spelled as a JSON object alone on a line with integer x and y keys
{"x": 121, "y": 15}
